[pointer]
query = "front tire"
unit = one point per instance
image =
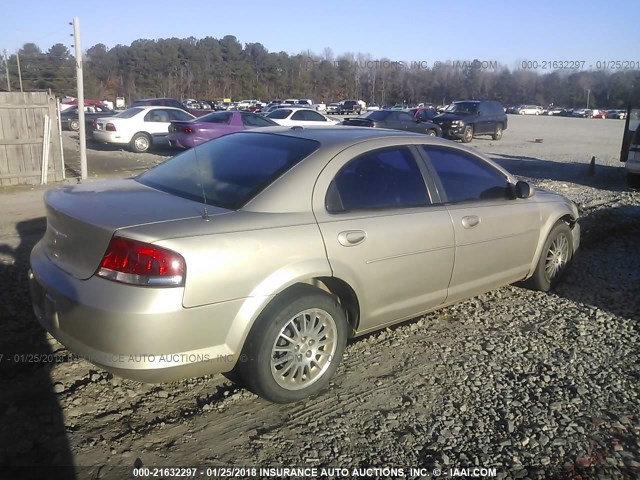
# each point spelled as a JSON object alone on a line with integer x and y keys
{"x": 556, "y": 255}
{"x": 140, "y": 143}
{"x": 74, "y": 125}
{"x": 498, "y": 133}
{"x": 467, "y": 135}
{"x": 295, "y": 346}
{"x": 432, "y": 133}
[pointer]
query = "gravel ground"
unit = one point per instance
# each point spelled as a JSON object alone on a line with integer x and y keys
{"x": 532, "y": 385}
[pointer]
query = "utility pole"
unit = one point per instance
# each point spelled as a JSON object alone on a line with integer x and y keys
{"x": 80, "y": 84}
{"x": 588, "y": 94}
{"x": 19, "y": 71}
{"x": 6, "y": 68}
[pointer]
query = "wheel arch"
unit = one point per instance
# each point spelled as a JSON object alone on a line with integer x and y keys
{"x": 567, "y": 219}
{"x": 142, "y": 132}
{"x": 336, "y": 287}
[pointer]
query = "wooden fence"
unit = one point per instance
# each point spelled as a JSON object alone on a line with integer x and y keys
{"x": 22, "y": 139}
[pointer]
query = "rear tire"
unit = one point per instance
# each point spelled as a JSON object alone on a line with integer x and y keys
{"x": 141, "y": 142}
{"x": 498, "y": 134}
{"x": 556, "y": 255}
{"x": 74, "y": 125}
{"x": 295, "y": 346}
{"x": 467, "y": 135}
{"x": 432, "y": 133}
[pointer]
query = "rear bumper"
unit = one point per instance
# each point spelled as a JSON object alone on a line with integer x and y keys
{"x": 144, "y": 334}
{"x": 109, "y": 137}
{"x": 179, "y": 141}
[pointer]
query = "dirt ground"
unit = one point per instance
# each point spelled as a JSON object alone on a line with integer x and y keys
{"x": 515, "y": 382}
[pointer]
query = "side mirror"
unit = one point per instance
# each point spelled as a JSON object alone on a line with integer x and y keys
{"x": 523, "y": 190}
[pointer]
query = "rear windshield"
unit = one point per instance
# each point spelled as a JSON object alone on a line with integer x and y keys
{"x": 129, "y": 112}
{"x": 229, "y": 170}
{"x": 279, "y": 114}
{"x": 217, "y": 117}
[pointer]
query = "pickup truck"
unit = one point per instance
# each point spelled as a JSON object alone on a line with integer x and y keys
{"x": 350, "y": 107}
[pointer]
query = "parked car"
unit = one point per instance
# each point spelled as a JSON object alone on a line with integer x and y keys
{"x": 529, "y": 110}
{"x": 581, "y": 113}
{"x": 301, "y": 116}
{"x": 320, "y": 107}
{"x": 595, "y": 113}
{"x": 273, "y": 107}
{"x": 350, "y": 107}
{"x": 394, "y": 120}
{"x": 424, "y": 114}
{"x": 139, "y": 127}
{"x": 556, "y": 111}
{"x": 617, "y": 114}
{"x": 258, "y": 254}
{"x": 188, "y": 134}
{"x": 245, "y": 104}
{"x": 70, "y": 121}
{"x": 373, "y": 107}
{"x": 466, "y": 119}
{"x": 167, "y": 102}
{"x": 333, "y": 108}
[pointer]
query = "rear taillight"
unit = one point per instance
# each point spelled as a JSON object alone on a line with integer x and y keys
{"x": 139, "y": 263}
{"x": 187, "y": 130}
{"x": 110, "y": 127}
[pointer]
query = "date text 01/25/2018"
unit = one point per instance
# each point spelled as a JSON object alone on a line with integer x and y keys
{"x": 580, "y": 65}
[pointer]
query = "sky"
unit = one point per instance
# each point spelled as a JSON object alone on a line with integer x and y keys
{"x": 509, "y": 32}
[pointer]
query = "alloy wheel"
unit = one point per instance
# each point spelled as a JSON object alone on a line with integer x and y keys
{"x": 304, "y": 349}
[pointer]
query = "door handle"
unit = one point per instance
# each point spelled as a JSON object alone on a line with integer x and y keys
{"x": 350, "y": 238}
{"x": 470, "y": 221}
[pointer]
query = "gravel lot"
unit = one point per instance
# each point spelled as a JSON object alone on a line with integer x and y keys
{"x": 532, "y": 385}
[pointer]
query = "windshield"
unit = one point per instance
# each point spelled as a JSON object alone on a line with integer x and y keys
{"x": 462, "y": 107}
{"x": 130, "y": 112}
{"x": 230, "y": 170}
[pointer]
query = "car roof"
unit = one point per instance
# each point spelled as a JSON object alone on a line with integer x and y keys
{"x": 158, "y": 107}
{"x": 295, "y": 107}
{"x": 340, "y": 136}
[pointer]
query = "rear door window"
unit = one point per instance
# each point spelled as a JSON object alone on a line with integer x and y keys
{"x": 388, "y": 178}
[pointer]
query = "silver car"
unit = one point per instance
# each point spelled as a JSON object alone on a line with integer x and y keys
{"x": 259, "y": 254}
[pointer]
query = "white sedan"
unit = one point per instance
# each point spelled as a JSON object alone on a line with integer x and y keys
{"x": 292, "y": 116}
{"x": 139, "y": 127}
{"x": 529, "y": 110}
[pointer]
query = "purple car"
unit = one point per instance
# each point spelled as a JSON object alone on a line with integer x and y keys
{"x": 188, "y": 134}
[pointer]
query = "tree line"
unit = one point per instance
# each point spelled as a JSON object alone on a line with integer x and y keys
{"x": 211, "y": 68}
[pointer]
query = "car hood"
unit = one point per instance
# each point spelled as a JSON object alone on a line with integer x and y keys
{"x": 82, "y": 219}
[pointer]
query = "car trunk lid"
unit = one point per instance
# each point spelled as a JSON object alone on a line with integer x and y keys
{"x": 81, "y": 220}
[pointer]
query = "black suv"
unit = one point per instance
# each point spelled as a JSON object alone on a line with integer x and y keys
{"x": 350, "y": 106}
{"x": 469, "y": 118}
